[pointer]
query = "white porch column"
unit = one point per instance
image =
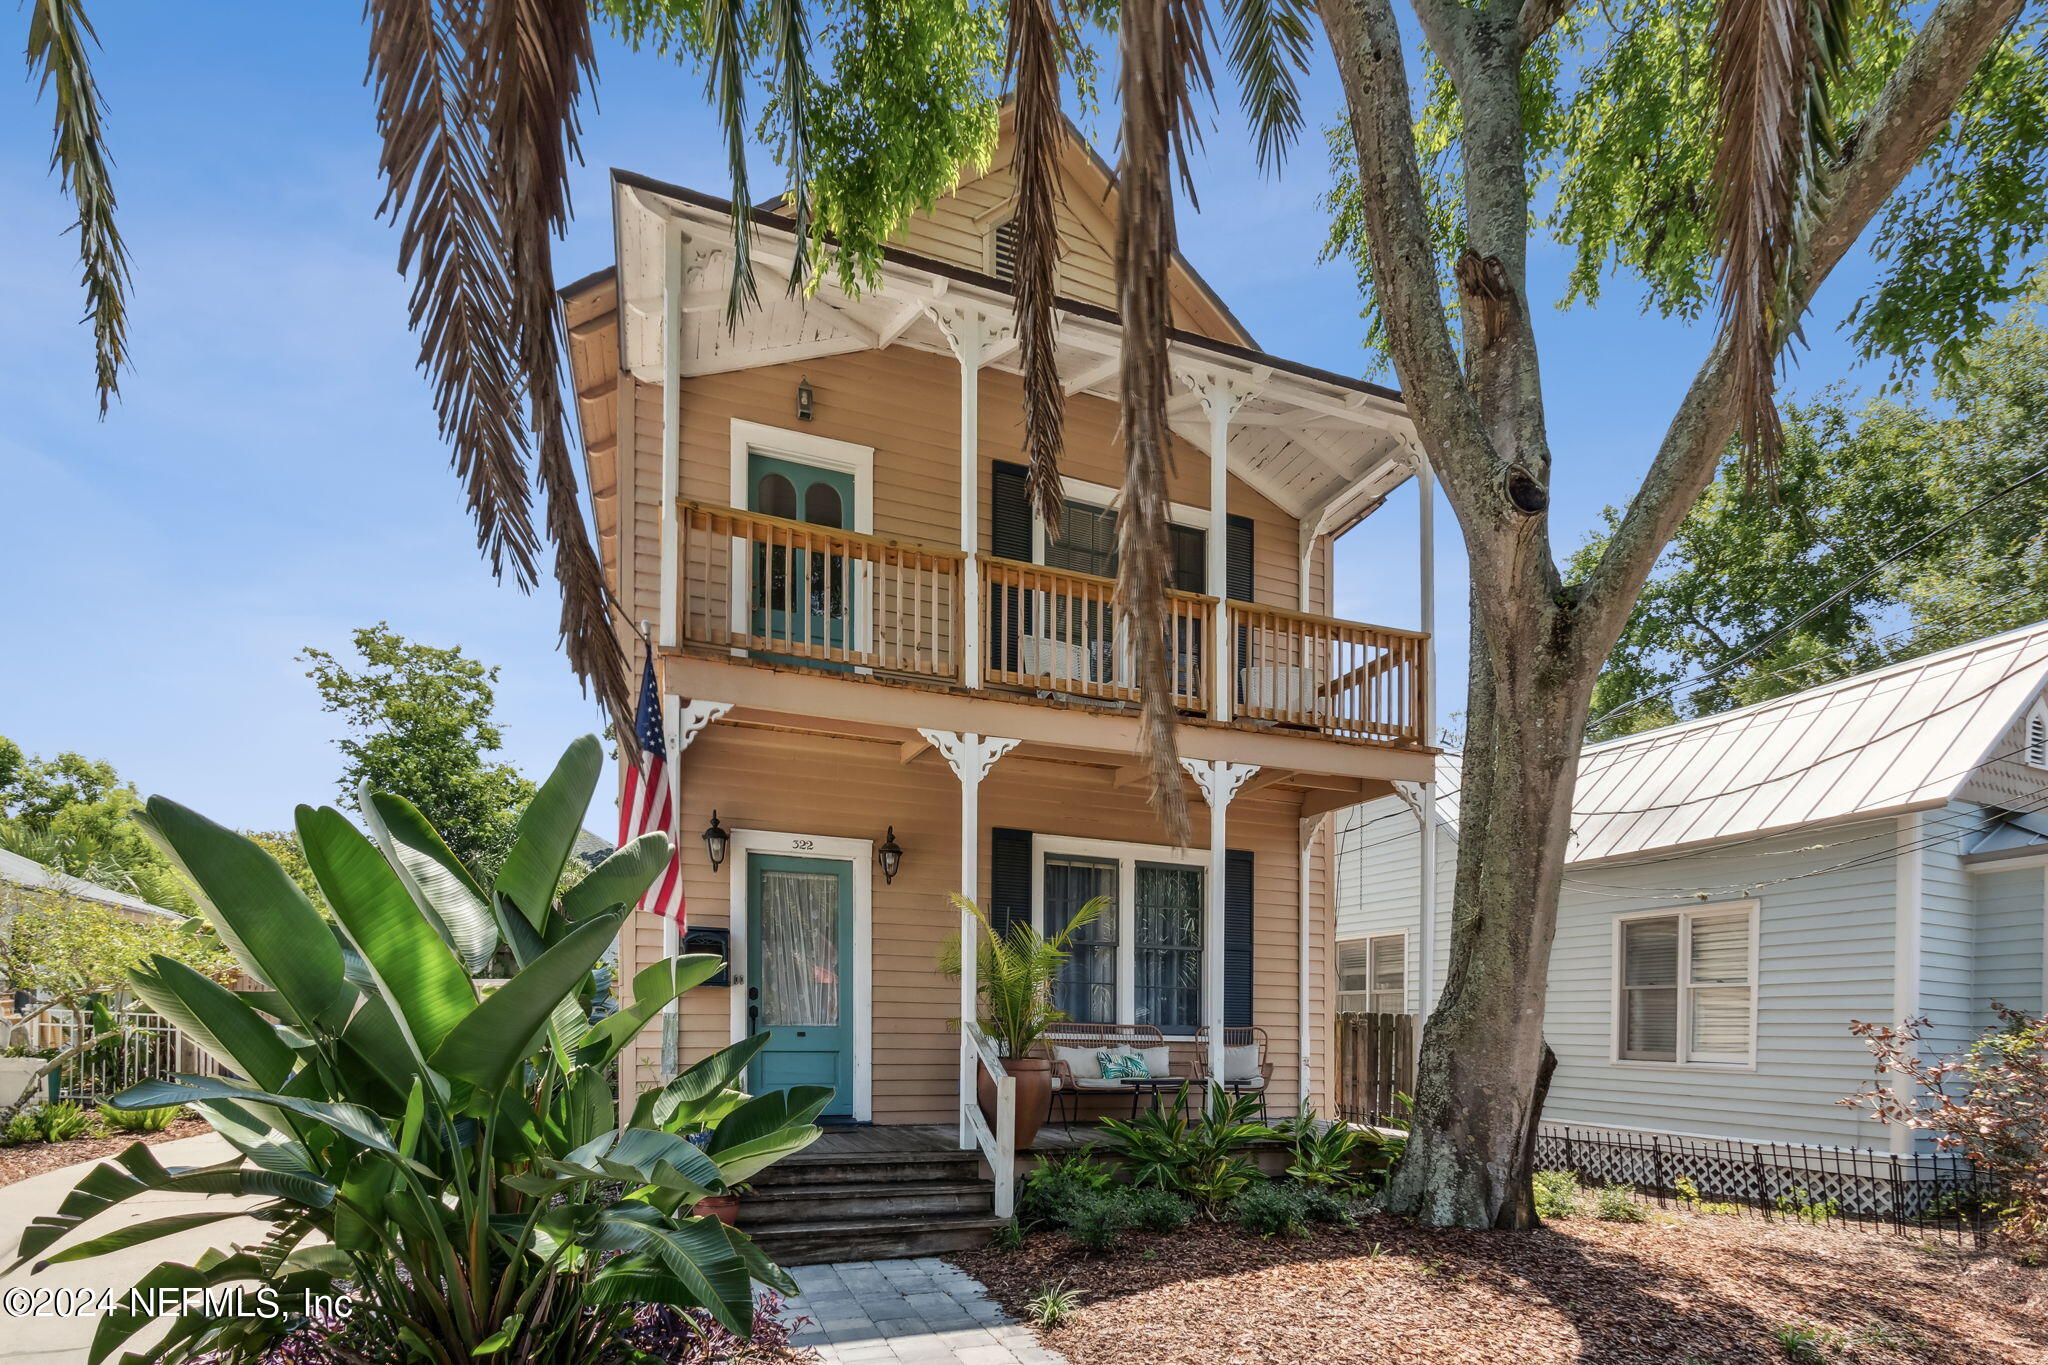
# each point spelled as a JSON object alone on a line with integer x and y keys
{"x": 971, "y": 333}
{"x": 1425, "y": 935}
{"x": 671, "y": 437}
{"x": 1219, "y": 781}
{"x": 970, "y": 756}
{"x": 681, "y": 723}
{"x": 1220, "y": 395}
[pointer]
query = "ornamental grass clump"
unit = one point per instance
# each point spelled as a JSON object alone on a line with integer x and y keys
{"x": 449, "y": 1159}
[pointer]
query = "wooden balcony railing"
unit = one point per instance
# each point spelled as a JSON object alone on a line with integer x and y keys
{"x": 834, "y": 598}
{"x": 1055, "y": 630}
{"x": 839, "y": 599}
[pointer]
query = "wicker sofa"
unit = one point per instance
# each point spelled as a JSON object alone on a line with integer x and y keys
{"x": 1071, "y": 1047}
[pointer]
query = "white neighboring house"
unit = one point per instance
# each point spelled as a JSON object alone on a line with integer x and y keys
{"x": 1741, "y": 887}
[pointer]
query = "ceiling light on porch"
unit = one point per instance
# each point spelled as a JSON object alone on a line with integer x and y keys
{"x": 890, "y": 856}
{"x": 803, "y": 400}
{"x": 716, "y": 841}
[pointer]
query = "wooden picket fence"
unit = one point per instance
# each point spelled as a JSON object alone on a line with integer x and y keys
{"x": 1375, "y": 1063}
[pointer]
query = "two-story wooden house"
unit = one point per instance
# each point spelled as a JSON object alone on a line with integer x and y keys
{"x": 863, "y": 634}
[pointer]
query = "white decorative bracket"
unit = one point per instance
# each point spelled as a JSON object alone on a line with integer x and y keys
{"x": 1218, "y": 779}
{"x": 972, "y": 333}
{"x": 1220, "y": 393}
{"x": 691, "y": 720}
{"x": 969, "y": 755}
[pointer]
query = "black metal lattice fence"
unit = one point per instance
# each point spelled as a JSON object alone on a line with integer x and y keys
{"x": 1919, "y": 1193}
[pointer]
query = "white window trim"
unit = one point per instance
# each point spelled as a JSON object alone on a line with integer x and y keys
{"x": 860, "y": 854}
{"x": 1127, "y": 857}
{"x": 1618, "y": 1000}
{"x": 1407, "y": 937}
{"x": 820, "y": 452}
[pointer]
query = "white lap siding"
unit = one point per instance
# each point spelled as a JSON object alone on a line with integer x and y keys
{"x": 2009, "y": 948}
{"x": 1825, "y": 943}
{"x": 1378, "y": 860}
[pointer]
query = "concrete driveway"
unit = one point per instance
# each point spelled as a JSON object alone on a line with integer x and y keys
{"x": 65, "y": 1340}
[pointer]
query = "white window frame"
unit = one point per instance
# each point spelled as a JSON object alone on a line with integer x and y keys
{"x": 1102, "y": 495}
{"x": 819, "y": 452}
{"x": 1619, "y": 999}
{"x": 1126, "y": 856}
{"x": 1407, "y": 938}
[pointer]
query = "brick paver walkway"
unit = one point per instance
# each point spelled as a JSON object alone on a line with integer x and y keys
{"x": 912, "y": 1312}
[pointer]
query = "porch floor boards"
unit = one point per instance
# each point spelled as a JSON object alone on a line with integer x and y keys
{"x": 908, "y": 1139}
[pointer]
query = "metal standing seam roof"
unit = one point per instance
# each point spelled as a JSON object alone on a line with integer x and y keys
{"x": 21, "y": 871}
{"x": 1900, "y": 738}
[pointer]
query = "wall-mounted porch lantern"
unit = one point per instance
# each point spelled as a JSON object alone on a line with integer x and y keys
{"x": 716, "y": 841}
{"x": 803, "y": 400}
{"x": 890, "y": 856}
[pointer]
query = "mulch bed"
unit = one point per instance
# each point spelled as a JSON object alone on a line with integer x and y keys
{"x": 1684, "y": 1288}
{"x": 33, "y": 1158}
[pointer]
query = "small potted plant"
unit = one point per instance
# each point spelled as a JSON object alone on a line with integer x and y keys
{"x": 1013, "y": 983}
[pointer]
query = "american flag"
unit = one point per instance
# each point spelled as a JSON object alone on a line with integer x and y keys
{"x": 648, "y": 804}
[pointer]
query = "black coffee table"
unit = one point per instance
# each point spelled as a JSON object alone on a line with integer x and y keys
{"x": 1155, "y": 1086}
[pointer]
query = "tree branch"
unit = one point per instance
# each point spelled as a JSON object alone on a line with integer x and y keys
{"x": 1366, "y": 40}
{"x": 1910, "y": 113}
{"x": 1537, "y": 18}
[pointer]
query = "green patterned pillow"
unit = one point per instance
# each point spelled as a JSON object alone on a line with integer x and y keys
{"x": 1122, "y": 1066}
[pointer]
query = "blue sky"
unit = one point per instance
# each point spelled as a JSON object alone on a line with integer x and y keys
{"x": 271, "y": 477}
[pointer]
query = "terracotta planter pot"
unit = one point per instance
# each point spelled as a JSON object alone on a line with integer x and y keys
{"x": 1034, "y": 1095}
{"x": 724, "y": 1207}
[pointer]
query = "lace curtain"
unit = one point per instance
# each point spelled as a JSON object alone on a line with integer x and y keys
{"x": 799, "y": 949}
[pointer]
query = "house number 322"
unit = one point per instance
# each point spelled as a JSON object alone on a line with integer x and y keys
{"x": 801, "y": 844}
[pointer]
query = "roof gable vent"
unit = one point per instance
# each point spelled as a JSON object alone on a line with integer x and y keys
{"x": 2037, "y": 735}
{"x": 1002, "y": 250}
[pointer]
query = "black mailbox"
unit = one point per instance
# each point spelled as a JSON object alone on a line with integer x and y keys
{"x": 711, "y": 939}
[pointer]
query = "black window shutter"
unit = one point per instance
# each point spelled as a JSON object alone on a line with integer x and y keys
{"x": 1190, "y": 558}
{"x": 1238, "y": 558}
{"x": 1237, "y": 938}
{"x": 1009, "y": 878}
{"x": 1009, "y": 512}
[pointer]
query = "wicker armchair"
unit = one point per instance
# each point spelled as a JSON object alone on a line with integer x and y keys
{"x": 1242, "y": 1082}
{"x": 1067, "y": 1088}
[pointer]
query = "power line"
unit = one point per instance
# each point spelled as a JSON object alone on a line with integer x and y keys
{"x": 1750, "y": 651}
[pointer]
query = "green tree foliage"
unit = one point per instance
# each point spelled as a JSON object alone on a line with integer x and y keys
{"x": 76, "y": 815}
{"x": 1618, "y": 101}
{"x": 70, "y": 950}
{"x": 1856, "y": 485}
{"x": 419, "y": 720}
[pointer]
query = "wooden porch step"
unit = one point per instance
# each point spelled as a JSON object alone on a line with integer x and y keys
{"x": 851, "y": 1201}
{"x": 869, "y": 1239}
{"x": 813, "y": 1168}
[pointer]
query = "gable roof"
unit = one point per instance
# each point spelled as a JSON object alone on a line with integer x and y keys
{"x": 20, "y": 871}
{"x": 1905, "y": 737}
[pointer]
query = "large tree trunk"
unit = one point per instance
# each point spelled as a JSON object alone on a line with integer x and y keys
{"x": 1478, "y": 1089}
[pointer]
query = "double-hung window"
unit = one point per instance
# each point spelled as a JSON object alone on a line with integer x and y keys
{"x": 1373, "y": 974}
{"x": 1140, "y": 961}
{"x": 1685, "y": 986}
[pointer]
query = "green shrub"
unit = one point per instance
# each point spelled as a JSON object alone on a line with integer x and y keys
{"x": 1688, "y": 1191}
{"x": 1053, "y": 1304}
{"x": 1008, "y": 1237}
{"x": 1557, "y": 1193}
{"x": 62, "y": 1121}
{"x": 1203, "y": 1158}
{"x": 1321, "y": 1206}
{"x": 1271, "y": 1209}
{"x": 23, "y": 1127}
{"x": 1797, "y": 1203}
{"x": 141, "y": 1120}
{"x": 1330, "y": 1156}
{"x": 1803, "y": 1345}
{"x": 1100, "y": 1219}
{"x": 1157, "y": 1210}
{"x": 1054, "y": 1192}
{"x": 1617, "y": 1204}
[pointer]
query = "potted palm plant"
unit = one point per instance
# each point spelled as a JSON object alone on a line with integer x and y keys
{"x": 1014, "y": 974}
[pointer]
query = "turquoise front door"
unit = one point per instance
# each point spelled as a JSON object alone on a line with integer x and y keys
{"x": 799, "y": 596}
{"x": 799, "y": 960}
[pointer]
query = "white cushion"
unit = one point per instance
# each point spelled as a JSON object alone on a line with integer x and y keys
{"x": 1241, "y": 1063}
{"x": 1158, "y": 1060}
{"x": 1099, "y": 1084}
{"x": 1081, "y": 1061}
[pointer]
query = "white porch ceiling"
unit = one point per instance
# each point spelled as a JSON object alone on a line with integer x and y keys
{"x": 1325, "y": 452}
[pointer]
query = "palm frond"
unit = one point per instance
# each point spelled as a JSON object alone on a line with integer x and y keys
{"x": 1034, "y": 62}
{"x": 59, "y": 36}
{"x": 790, "y": 30}
{"x": 1774, "y": 61}
{"x": 476, "y": 103}
{"x": 725, "y": 28}
{"x": 1164, "y": 61}
{"x": 1267, "y": 42}
{"x": 438, "y": 189}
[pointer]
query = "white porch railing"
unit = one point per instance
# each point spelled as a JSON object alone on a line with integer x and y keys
{"x": 1000, "y": 1146}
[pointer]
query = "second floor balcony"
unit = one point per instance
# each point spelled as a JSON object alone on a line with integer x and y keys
{"x": 792, "y": 593}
